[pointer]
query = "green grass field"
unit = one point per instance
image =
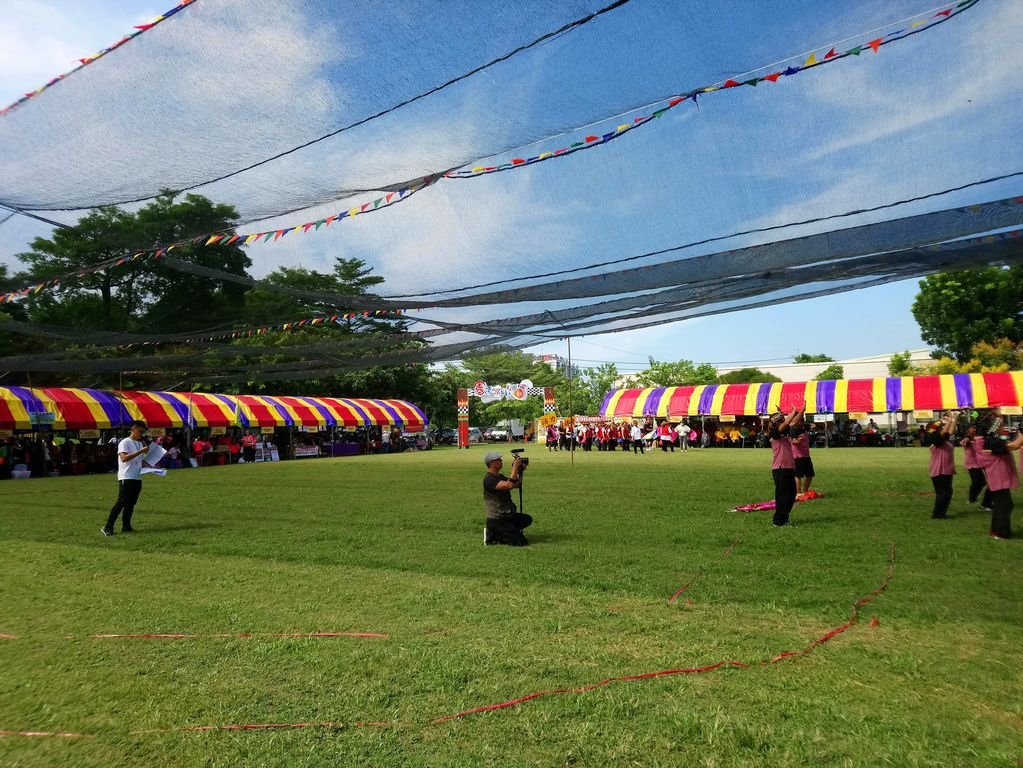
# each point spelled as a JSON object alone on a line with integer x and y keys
{"x": 392, "y": 544}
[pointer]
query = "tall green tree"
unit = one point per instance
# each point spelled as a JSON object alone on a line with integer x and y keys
{"x": 137, "y": 295}
{"x": 747, "y": 376}
{"x": 807, "y": 358}
{"x": 592, "y": 386}
{"x": 832, "y": 372}
{"x": 677, "y": 374}
{"x": 956, "y": 310}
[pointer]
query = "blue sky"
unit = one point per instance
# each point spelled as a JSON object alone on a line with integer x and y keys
{"x": 930, "y": 112}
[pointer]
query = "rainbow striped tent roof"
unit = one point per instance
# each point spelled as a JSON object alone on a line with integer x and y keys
{"x": 97, "y": 409}
{"x": 895, "y": 393}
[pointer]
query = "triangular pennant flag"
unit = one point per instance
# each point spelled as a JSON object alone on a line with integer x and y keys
{"x": 319, "y": 223}
{"x": 233, "y": 239}
{"x": 364, "y": 207}
{"x": 268, "y": 236}
{"x": 214, "y": 239}
{"x": 855, "y": 51}
{"x": 331, "y": 219}
{"x": 730, "y": 84}
{"x": 278, "y": 235}
{"x": 353, "y": 211}
{"x": 946, "y": 12}
{"x": 875, "y": 44}
{"x": 590, "y": 139}
{"x": 391, "y": 194}
{"x": 676, "y": 101}
{"x": 830, "y": 54}
{"x": 810, "y": 61}
{"x": 791, "y": 71}
{"x": 752, "y": 82}
{"x": 250, "y": 238}
{"x": 305, "y": 227}
{"x": 773, "y": 77}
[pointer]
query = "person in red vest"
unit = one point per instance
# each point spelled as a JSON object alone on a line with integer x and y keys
{"x": 667, "y": 438}
{"x": 249, "y": 447}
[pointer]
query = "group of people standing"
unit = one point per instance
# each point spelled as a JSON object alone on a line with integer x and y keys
{"x": 989, "y": 461}
{"x": 611, "y": 436}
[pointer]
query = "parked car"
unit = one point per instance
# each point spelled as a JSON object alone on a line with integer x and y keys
{"x": 446, "y": 437}
{"x": 498, "y": 434}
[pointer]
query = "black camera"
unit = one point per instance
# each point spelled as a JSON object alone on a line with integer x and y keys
{"x": 524, "y": 460}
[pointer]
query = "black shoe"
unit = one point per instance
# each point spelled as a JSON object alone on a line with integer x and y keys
{"x": 939, "y": 517}
{"x": 128, "y": 529}
{"x": 106, "y": 531}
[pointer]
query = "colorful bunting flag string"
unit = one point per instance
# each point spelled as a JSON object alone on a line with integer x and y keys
{"x": 595, "y": 140}
{"x": 86, "y": 61}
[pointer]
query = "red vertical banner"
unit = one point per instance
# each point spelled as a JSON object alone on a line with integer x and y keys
{"x": 463, "y": 418}
{"x": 550, "y": 405}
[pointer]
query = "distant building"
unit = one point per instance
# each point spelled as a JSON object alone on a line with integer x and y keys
{"x": 872, "y": 367}
{"x": 557, "y": 363}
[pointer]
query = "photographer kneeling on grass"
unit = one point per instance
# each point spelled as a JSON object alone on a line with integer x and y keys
{"x": 504, "y": 522}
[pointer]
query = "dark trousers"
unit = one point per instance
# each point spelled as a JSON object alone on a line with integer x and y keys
{"x": 638, "y": 446}
{"x": 127, "y": 495}
{"x": 249, "y": 454}
{"x": 784, "y": 494}
{"x": 1001, "y": 513}
{"x": 942, "y": 495}
{"x": 508, "y": 529}
{"x": 977, "y": 483}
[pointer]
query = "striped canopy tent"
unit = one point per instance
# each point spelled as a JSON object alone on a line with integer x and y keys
{"x": 157, "y": 409}
{"x": 390, "y": 412}
{"x": 87, "y": 409}
{"x": 342, "y": 411}
{"x": 888, "y": 394}
{"x": 205, "y": 410}
{"x": 303, "y": 411}
{"x": 262, "y": 411}
{"x": 16, "y": 403}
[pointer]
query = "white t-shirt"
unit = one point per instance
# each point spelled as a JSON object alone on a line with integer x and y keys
{"x": 132, "y": 469}
{"x": 385, "y": 436}
{"x": 637, "y": 432}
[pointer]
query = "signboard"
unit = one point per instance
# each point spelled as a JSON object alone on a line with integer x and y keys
{"x": 218, "y": 431}
{"x": 925, "y": 415}
{"x": 822, "y": 418}
{"x": 6, "y": 433}
{"x": 489, "y": 394}
{"x": 157, "y": 431}
{"x": 727, "y": 418}
{"x": 548, "y": 420}
{"x": 351, "y": 429}
{"x": 857, "y": 415}
{"x": 1011, "y": 410}
{"x": 89, "y": 434}
{"x": 41, "y": 418}
{"x": 267, "y": 430}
